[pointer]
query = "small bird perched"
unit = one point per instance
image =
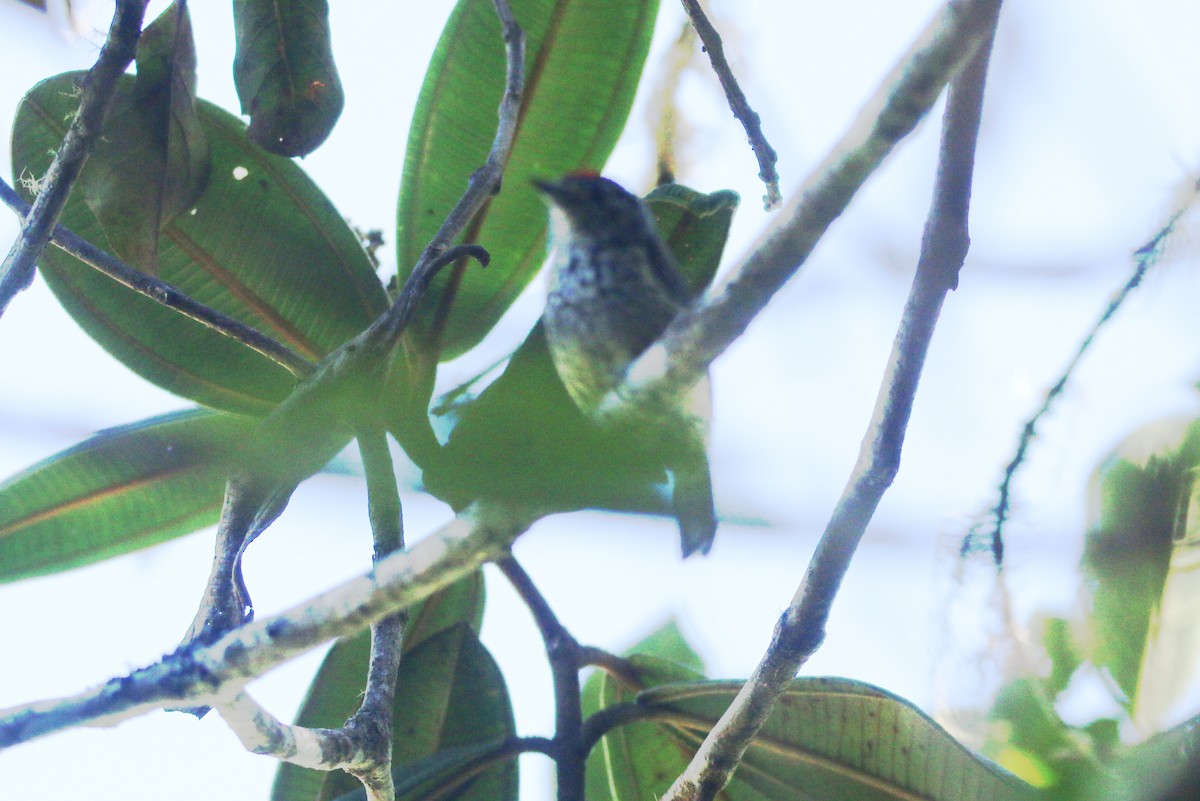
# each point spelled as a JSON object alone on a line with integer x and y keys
{"x": 614, "y": 289}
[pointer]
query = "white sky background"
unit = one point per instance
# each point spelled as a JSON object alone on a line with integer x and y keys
{"x": 1090, "y": 129}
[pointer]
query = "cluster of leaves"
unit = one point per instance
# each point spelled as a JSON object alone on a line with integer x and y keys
{"x": 1137, "y": 636}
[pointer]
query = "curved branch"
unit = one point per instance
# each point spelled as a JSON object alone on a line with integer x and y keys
{"x": 738, "y": 103}
{"x": 801, "y": 628}
{"x": 681, "y": 357}
{"x": 217, "y": 672}
{"x": 99, "y": 86}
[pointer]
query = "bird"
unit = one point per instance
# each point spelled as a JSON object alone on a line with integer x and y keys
{"x": 613, "y": 289}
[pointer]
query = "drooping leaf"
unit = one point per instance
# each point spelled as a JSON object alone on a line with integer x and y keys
{"x": 583, "y": 62}
{"x": 827, "y": 738}
{"x": 336, "y": 690}
{"x": 123, "y": 489}
{"x": 1137, "y": 561}
{"x": 285, "y": 75}
{"x": 261, "y": 244}
{"x": 523, "y": 437}
{"x": 153, "y": 160}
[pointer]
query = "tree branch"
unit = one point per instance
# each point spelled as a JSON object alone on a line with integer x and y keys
{"x": 737, "y": 103}
{"x": 164, "y": 293}
{"x": 411, "y": 426}
{"x": 563, "y": 652}
{"x": 680, "y": 358}
{"x": 217, "y": 672}
{"x": 801, "y": 629}
{"x": 16, "y": 273}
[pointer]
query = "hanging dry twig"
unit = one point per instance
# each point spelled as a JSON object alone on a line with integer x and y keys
{"x": 738, "y": 103}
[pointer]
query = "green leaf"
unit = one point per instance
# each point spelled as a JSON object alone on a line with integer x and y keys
{"x": 124, "y": 489}
{"x": 285, "y": 75}
{"x": 523, "y": 437}
{"x": 153, "y": 160}
{"x": 1143, "y": 541}
{"x": 826, "y": 738}
{"x": 262, "y": 244}
{"x": 638, "y": 760}
{"x": 1165, "y": 767}
{"x": 695, "y": 227}
{"x": 667, "y": 642}
{"x": 583, "y": 62}
{"x": 337, "y": 688}
{"x": 452, "y": 709}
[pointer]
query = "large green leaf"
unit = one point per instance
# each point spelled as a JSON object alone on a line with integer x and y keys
{"x": 123, "y": 489}
{"x": 826, "y": 739}
{"x": 285, "y": 75}
{"x": 451, "y": 705}
{"x": 583, "y": 62}
{"x": 337, "y": 688}
{"x": 153, "y": 161}
{"x": 262, "y": 244}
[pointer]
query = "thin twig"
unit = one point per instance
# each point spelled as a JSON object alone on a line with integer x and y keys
{"x": 563, "y": 652}
{"x": 217, "y": 672}
{"x": 1144, "y": 257}
{"x": 99, "y": 86}
{"x": 622, "y": 714}
{"x": 164, "y": 293}
{"x": 610, "y": 663}
{"x": 801, "y": 629}
{"x": 737, "y": 103}
{"x": 373, "y": 722}
{"x": 411, "y": 427}
{"x": 681, "y": 357}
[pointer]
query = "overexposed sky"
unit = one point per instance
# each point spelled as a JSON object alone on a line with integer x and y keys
{"x": 1090, "y": 130}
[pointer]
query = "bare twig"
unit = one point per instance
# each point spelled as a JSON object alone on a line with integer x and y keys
{"x": 737, "y": 103}
{"x": 1144, "y": 258}
{"x": 801, "y": 629}
{"x": 563, "y": 652}
{"x": 217, "y": 672}
{"x": 16, "y": 273}
{"x": 164, "y": 293}
{"x": 702, "y": 332}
